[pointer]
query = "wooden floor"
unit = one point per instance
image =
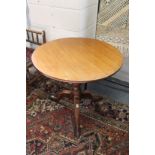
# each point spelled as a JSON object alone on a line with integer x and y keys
{"x": 113, "y": 90}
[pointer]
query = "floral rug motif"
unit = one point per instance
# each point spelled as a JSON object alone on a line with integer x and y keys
{"x": 50, "y": 125}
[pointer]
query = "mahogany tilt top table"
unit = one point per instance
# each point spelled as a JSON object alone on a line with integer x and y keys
{"x": 77, "y": 60}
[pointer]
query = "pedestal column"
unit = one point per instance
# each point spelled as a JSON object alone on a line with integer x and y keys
{"x": 76, "y": 99}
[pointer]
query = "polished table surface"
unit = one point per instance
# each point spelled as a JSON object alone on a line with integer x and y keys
{"x": 77, "y": 60}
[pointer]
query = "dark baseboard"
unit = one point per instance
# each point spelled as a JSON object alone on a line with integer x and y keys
{"x": 111, "y": 82}
{"x": 118, "y": 82}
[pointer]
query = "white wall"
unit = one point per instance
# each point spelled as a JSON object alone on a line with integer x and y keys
{"x": 63, "y": 18}
{"x": 67, "y": 18}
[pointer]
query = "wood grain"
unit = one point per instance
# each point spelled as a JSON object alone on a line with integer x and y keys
{"x": 77, "y": 60}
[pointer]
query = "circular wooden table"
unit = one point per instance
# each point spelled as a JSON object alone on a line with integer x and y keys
{"x": 77, "y": 60}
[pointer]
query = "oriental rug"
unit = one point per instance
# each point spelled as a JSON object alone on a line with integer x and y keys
{"x": 50, "y": 124}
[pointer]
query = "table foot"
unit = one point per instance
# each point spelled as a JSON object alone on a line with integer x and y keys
{"x": 63, "y": 93}
{"x": 88, "y": 95}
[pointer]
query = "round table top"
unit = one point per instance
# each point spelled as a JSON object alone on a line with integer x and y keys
{"x": 77, "y": 60}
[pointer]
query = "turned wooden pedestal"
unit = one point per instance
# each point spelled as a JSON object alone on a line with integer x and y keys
{"x": 76, "y": 95}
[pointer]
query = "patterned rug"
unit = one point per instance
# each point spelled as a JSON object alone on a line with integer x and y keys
{"x": 50, "y": 125}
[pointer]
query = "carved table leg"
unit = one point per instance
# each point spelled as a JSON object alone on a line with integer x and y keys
{"x": 63, "y": 93}
{"x": 87, "y": 94}
{"x": 76, "y": 93}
